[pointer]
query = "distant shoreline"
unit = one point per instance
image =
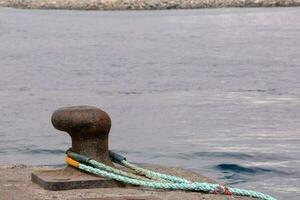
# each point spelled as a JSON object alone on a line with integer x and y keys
{"x": 143, "y": 4}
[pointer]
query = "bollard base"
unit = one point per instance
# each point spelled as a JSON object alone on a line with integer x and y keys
{"x": 70, "y": 178}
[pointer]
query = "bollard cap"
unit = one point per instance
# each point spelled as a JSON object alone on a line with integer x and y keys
{"x": 82, "y": 121}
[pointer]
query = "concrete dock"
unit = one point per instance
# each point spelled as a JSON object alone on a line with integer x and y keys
{"x": 15, "y": 184}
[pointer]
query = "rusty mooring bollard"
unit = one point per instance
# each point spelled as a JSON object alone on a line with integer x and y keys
{"x": 88, "y": 127}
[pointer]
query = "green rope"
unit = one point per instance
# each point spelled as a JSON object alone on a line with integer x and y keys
{"x": 84, "y": 159}
{"x": 203, "y": 187}
{"x": 117, "y": 158}
{"x": 114, "y": 170}
{"x": 152, "y": 174}
{"x": 176, "y": 184}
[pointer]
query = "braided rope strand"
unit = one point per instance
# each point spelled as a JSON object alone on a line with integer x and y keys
{"x": 195, "y": 186}
{"x": 152, "y": 174}
{"x": 114, "y": 170}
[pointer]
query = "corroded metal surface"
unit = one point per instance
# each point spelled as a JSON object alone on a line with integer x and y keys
{"x": 65, "y": 179}
{"x": 88, "y": 127}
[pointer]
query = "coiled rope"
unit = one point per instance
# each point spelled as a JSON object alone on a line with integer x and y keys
{"x": 150, "y": 178}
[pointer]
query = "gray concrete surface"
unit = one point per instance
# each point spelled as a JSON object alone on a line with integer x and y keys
{"x": 15, "y": 184}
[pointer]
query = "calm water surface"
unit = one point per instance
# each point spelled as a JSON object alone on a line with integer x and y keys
{"x": 216, "y": 91}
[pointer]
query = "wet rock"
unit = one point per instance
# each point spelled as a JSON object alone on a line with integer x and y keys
{"x": 142, "y": 4}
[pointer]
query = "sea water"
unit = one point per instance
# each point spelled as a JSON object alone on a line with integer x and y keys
{"x": 215, "y": 91}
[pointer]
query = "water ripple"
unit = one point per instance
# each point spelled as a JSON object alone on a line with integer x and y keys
{"x": 44, "y": 151}
{"x": 235, "y": 168}
{"x": 195, "y": 155}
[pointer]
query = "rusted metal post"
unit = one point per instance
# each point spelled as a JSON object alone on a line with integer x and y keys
{"x": 88, "y": 127}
